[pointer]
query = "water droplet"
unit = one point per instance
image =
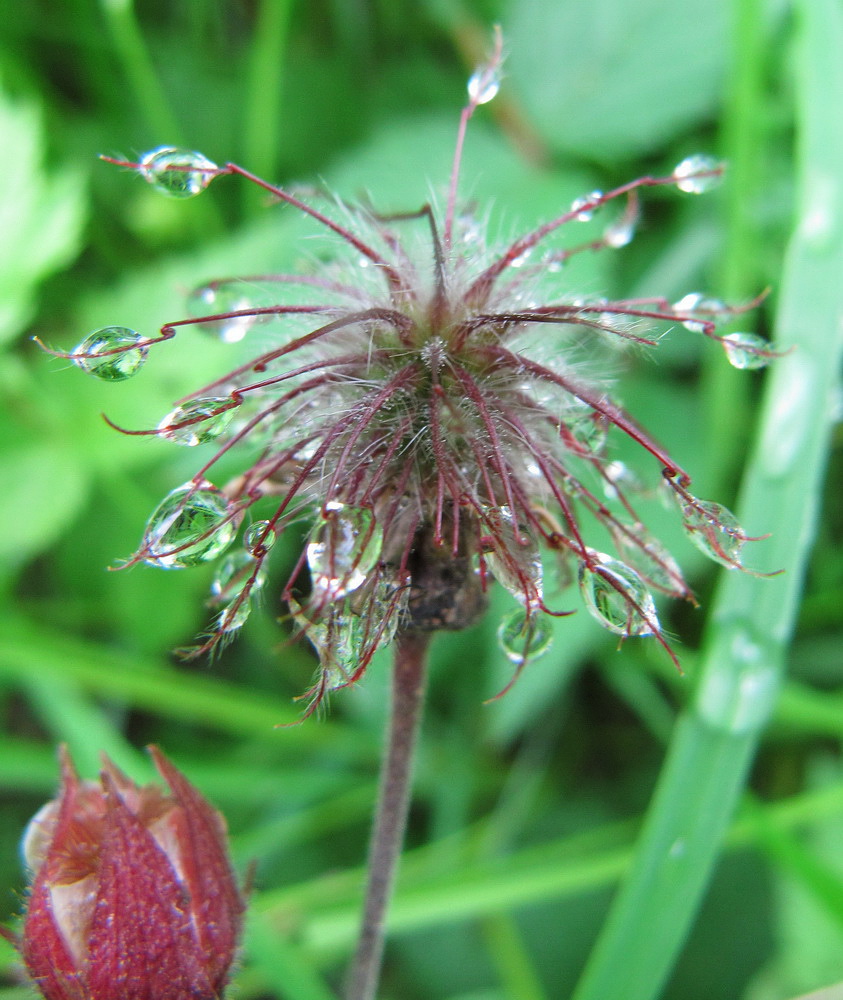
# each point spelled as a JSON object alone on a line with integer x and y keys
{"x": 217, "y": 298}
{"x": 649, "y": 557}
{"x": 332, "y": 634}
{"x": 617, "y": 597}
{"x": 695, "y": 304}
{"x": 516, "y": 565}
{"x": 619, "y": 233}
{"x": 742, "y": 350}
{"x": 161, "y": 167}
{"x": 524, "y": 636}
{"x": 484, "y": 83}
{"x": 343, "y": 550}
{"x": 619, "y": 477}
{"x": 259, "y": 537}
{"x": 698, "y": 174}
{"x": 191, "y": 520}
{"x": 521, "y": 259}
{"x": 578, "y": 205}
{"x": 714, "y": 530}
{"x": 229, "y": 589}
{"x": 202, "y": 420}
{"x": 94, "y": 355}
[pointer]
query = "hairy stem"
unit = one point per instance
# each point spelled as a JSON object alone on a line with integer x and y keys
{"x": 408, "y": 687}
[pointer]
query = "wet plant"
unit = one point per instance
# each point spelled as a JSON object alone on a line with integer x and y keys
{"x": 418, "y": 403}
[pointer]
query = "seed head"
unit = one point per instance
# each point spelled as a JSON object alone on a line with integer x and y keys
{"x": 429, "y": 419}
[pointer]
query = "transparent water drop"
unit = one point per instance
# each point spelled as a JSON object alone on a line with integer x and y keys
{"x": 617, "y": 597}
{"x": 192, "y": 520}
{"x": 160, "y": 168}
{"x": 714, "y": 530}
{"x": 742, "y": 350}
{"x": 484, "y": 83}
{"x": 620, "y": 477}
{"x": 93, "y": 356}
{"x": 229, "y": 587}
{"x": 687, "y": 174}
{"x": 202, "y": 420}
{"x": 259, "y": 537}
{"x": 521, "y": 259}
{"x": 332, "y": 634}
{"x": 343, "y": 550}
{"x": 524, "y": 636}
{"x": 584, "y": 214}
{"x": 696, "y": 304}
{"x": 619, "y": 233}
{"x": 223, "y": 297}
{"x": 652, "y": 559}
{"x": 516, "y": 565}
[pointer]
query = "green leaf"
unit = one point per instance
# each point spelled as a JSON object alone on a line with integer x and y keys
{"x": 611, "y": 79}
{"x": 41, "y": 214}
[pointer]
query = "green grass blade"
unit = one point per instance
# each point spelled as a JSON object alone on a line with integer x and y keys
{"x": 752, "y": 620}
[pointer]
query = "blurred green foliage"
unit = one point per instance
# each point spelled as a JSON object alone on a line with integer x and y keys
{"x": 526, "y": 808}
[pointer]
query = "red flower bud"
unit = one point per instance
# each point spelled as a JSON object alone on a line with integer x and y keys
{"x": 133, "y": 895}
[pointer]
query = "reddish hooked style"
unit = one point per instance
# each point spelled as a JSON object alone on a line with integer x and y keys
{"x": 133, "y": 896}
{"x": 419, "y": 401}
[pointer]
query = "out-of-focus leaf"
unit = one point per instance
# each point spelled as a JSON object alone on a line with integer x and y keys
{"x": 41, "y": 215}
{"x": 43, "y": 489}
{"x": 610, "y": 79}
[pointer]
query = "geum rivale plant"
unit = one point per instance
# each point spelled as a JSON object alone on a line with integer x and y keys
{"x": 426, "y": 413}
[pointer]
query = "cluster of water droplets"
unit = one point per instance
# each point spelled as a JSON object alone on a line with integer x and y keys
{"x": 343, "y": 550}
{"x": 700, "y": 312}
{"x": 113, "y": 353}
{"x": 617, "y": 596}
{"x": 193, "y": 524}
{"x": 240, "y": 577}
{"x": 178, "y": 173}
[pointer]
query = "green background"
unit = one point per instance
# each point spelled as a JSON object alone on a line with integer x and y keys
{"x": 528, "y": 811}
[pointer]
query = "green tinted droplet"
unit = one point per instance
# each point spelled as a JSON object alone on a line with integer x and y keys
{"x": 515, "y": 562}
{"x": 742, "y": 350}
{"x": 202, "y": 420}
{"x": 688, "y": 171}
{"x": 344, "y": 548}
{"x": 94, "y": 355}
{"x": 192, "y": 521}
{"x": 617, "y": 597}
{"x": 523, "y": 636}
{"x": 179, "y": 173}
{"x": 258, "y": 537}
{"x": 229, "y": 589}
{"x": 219, "y": 298}
{"x": 714, "y": 530}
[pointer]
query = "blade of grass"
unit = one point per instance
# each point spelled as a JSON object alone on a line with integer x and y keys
{"x": 166, "y": 692}
{"x": 262, "y": 126}
{"x": 752, "y": 620}
{"x": 322, "y": 913}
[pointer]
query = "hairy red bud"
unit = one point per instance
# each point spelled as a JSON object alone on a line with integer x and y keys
{"x": 133, "y": 896}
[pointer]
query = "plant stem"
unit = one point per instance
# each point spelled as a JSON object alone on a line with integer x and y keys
{"x": 408, "y": 687}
